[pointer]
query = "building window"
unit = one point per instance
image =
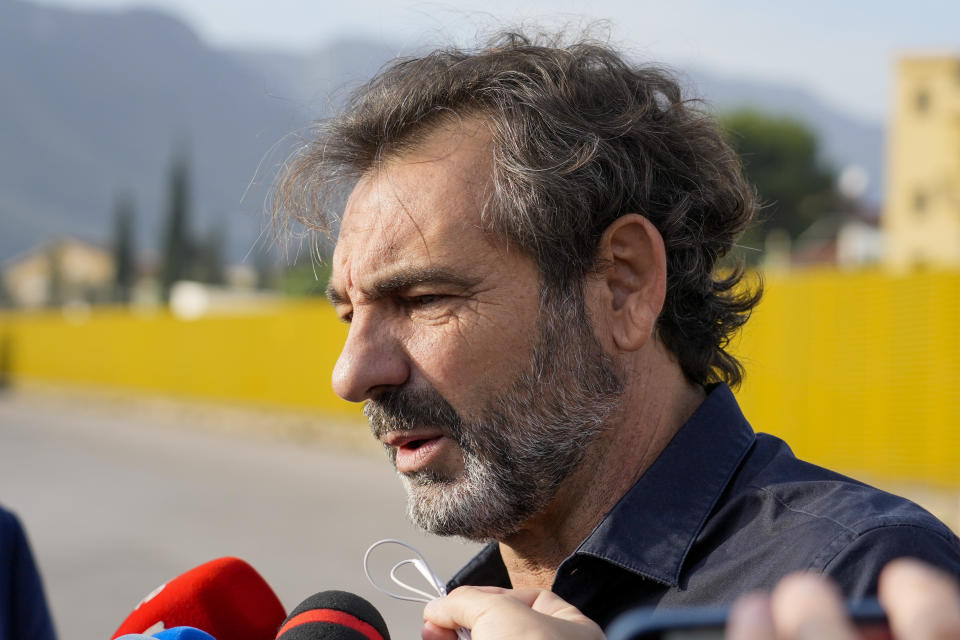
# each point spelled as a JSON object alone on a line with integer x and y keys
{"x": 921, "y": 101}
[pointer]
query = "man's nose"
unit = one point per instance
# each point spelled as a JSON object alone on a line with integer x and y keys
{"x": 372, "y": 361}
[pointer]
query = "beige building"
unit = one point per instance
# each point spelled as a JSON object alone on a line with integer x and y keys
{"x": 922, "y": 217}
{"x": 60, "y": 272}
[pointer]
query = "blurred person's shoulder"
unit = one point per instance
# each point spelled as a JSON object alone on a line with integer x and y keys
{"x": 24, "y": 613}
{"x": 11, "y": 531}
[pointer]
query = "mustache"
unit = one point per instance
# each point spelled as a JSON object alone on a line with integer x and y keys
{"x": 408, "y": 409}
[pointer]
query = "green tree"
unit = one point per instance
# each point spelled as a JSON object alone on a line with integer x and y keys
{"x": 306, "y": 278}
{"x": 208, "y": 257}
{"x": 780, "y": 157}
{"x": 265, "y": 267}
{"x": 176, "y": 239}
{"x": 124, "y": 252}
{"x": 6, "y": 300}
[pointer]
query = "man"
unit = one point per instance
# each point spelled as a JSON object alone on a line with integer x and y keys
{"x": 529, "y": 263}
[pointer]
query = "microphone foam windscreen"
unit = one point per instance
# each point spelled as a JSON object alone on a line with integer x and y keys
{"x": 334, "y": 615}
{"x": 226, "y": 598}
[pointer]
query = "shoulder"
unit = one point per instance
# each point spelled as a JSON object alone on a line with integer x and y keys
{"x": 855, "y": 561}
{"x": 775, "y": 474}
{"x": 13, "y": 543}
{"x": 8, "y": 521}
{"x": 849, "y": 528}
{"x": 23, "y": 606}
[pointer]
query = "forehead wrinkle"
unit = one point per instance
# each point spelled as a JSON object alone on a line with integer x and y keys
{"x": 381, "y": 233}
{"x": 388, "y": 178}
{"x": 389, "y": 205}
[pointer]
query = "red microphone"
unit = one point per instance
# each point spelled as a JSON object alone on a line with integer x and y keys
{"x": 226, "y": 597}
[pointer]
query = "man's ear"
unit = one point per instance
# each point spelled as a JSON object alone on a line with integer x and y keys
{"x": 634, "y": 279}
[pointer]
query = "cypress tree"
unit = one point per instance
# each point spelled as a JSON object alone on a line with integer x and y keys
{"x": 124, "y": 253}
{"x": 5, "y": 298}
{"x": 176, "y": 241}
{"x": 210, "y": 266}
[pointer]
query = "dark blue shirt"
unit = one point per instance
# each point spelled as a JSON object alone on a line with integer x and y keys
{"x": 723, "y": 511}
{"x": 23, "y": 607}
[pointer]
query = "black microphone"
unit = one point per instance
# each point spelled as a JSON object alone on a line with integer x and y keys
{"x": 334, "y": 615}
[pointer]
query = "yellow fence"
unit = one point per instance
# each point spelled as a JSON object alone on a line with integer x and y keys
{"x": 279, "y": 355}
{"x": 857, "y": 371}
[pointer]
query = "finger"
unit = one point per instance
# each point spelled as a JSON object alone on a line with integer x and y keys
{"x": 921, "y": 602}
{"x": 526, "y": 596}
{"x": 807, "y": 606}
{"x": 463, "y": 606}
{"x": 751, "y": 618}
{"x": 431, "y": 631}
{"x": 487, "y": 589}
{"x": 549, "y": 603}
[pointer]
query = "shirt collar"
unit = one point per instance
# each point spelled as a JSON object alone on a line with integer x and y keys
{"x": 654, "y": 524}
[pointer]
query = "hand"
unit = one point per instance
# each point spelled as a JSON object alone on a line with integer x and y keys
{"x": 922, "y": 603}
{"x": 492, "y": 613}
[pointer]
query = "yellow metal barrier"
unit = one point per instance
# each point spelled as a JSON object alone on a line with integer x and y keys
{"x": 278, "y": 355}
{"x": 857, "y": 371}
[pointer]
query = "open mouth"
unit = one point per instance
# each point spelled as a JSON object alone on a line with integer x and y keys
{"x": 417, "y": 453}
{"x": 413, "y": 445}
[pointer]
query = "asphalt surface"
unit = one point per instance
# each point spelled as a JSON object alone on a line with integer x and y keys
{"x": 119, "y": 494}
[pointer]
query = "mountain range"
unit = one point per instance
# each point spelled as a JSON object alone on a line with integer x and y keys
{"x": 97, "y": 103}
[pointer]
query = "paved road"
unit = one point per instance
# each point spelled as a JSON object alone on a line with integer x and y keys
{"x": 119, "y": 495}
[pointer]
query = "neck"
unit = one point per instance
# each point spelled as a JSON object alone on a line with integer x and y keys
{"x": 656, "y": 403}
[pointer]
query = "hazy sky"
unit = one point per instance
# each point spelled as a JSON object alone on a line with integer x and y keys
{"x": 841, "y": 51}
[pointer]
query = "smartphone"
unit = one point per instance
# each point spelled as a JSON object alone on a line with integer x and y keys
{"x": 707, "y": 623}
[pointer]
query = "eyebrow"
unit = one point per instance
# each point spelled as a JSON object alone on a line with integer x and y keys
{"x": 406, "y": 278}
{"x": 334, "y": 296}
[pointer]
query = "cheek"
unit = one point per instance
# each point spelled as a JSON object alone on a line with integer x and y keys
{"x": 472, "y": 356}
{"x": 597, "y": 307}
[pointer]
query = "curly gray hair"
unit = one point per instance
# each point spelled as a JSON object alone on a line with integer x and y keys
{"x": 580, "y": 137}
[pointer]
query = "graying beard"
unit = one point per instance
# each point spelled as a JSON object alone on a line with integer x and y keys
{"x": 531, "y": 443}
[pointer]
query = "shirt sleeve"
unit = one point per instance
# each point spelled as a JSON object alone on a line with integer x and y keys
{"x": 856, "y": 566}
{"x": 23, "y": 607}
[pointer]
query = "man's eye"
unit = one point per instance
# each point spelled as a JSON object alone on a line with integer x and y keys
{"x": 424, "y": 300}
{"x": 347, "y": 317}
